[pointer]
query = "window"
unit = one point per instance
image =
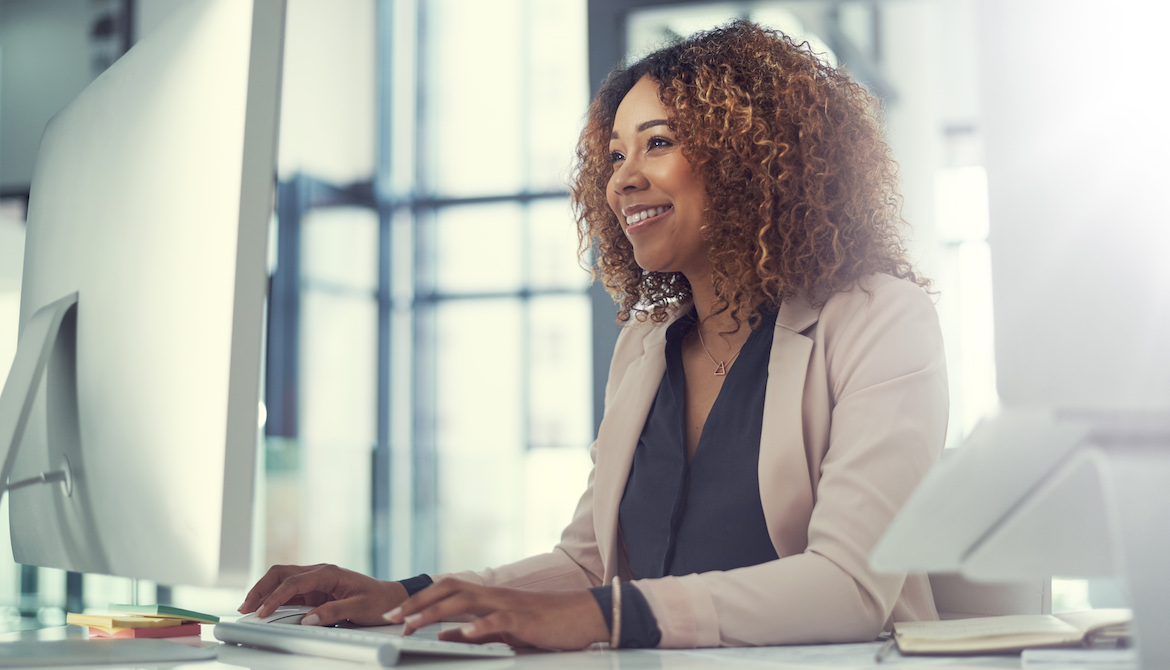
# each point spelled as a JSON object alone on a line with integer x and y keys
{"x": 494, "y": 320}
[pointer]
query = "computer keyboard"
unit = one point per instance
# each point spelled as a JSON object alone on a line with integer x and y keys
{"x": 352, "y": 644}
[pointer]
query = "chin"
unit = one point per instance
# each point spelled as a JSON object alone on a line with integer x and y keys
{"x": 645, "y": 264}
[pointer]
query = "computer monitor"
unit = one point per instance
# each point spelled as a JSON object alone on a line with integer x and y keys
{"x": 142, "y": 308}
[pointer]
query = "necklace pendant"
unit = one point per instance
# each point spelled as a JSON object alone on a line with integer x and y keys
{"x": 721, "y": 369}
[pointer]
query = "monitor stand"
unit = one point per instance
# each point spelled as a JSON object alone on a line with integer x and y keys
{"x": 1109, "y": 491}
{"x": 51, "y": 335}
{"x": 38, "y": 340}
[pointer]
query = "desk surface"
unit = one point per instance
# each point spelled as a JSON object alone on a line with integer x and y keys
{"x": 792, "y": 658}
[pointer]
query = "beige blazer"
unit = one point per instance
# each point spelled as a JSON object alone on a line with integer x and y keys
{"x": 855, "y": 413}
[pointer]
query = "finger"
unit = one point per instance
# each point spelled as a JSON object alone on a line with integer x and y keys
{"x": 456, "y": 635}
{"x": 427, "y": 597}
{"x": 310, "y": 599}
{"x": 319, "y": 579}
{"x": 462, "y": 602}
{"x": 491, "y": 627}
{"x": 462, "y": 606}
{"x": 264, "y": 587}
{"x": 333, "y": 611}
{"x": 261, "y": 589}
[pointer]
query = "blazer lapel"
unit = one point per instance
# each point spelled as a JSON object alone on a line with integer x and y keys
{"x": 617, "y": 437}
{"x": 785, "y": 487}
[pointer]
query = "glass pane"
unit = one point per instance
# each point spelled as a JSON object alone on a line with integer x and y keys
{"x": 479, "y": 368}
{"x": 977, "y": 333}
{"x": 561, "y": 397}
{"x": 335, "y": 505}
{"x": 338, "y": 369}
{"x": 798, "y": 20}
{"x": 963, "y": 281}
{"x": 327, "y": 492}
{"x": 479, "y": 430}
{"x": 479, "y": 248}
{"x": 558, "y": 89}
{"x": 11, "y": 252}
{"x": 399, "y": 139}
{"x": 327, "y": 110}
{"x": 339, "y": 248}
{"x": 9, "y": 320}
{"x": 402, "y": 410}
{"x": 50, "y": 596}
{"x": 650, "y": 29}
{"x": 554, "y": 480}
{"x": 961, "y": 203}
{"x": 552, "y": 235}
{"x": 319, "y": 500}
{"x": 474, "y": 97}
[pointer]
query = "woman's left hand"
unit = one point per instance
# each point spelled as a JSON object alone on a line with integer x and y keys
{"x": 552, "y": 620}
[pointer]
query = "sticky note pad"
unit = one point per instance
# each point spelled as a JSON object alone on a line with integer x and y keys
{"x": 165, "y": 611}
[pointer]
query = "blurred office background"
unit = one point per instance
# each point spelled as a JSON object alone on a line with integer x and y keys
{"x": 436, "y": 356}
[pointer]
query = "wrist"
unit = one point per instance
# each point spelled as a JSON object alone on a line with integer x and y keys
{"x": 397, "y": 593}
{"x": 598, "y": 625}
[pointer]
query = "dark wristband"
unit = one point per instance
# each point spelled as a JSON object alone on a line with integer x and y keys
{"x": 416, "y": 584}
{"x": 639, "y": 625}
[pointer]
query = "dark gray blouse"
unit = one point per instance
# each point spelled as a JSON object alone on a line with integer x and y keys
{"x": 680, "y": 518}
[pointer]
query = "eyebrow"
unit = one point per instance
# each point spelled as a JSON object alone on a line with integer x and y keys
{"x": 642, "y": 126}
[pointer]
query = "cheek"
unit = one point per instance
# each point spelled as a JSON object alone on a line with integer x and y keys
{"x": 612, "y": 199}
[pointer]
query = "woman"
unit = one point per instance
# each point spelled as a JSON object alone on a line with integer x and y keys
{"x": 777, "y": 392}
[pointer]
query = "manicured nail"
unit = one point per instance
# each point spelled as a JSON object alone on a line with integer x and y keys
{"x": 389, "y": 616}
{"x": 413, "y": 618}
{"x": 311, "y": 620}
{"x": 468, "y": 629}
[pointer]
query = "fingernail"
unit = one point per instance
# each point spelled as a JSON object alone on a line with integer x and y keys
{"x": 389, "y": 616}
{"x": 468, "y": 629}
{"x": 311, "y": 620}
{"x": 413, "y": 618}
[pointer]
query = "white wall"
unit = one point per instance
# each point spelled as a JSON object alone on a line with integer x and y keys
{"x": 46, "y": 64}
{"x": 150, "y": 14}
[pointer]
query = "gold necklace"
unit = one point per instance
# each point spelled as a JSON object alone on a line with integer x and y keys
{"x": 720, "y": 366}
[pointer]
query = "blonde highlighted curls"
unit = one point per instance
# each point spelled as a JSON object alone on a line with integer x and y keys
{"x": 802, "y": 189}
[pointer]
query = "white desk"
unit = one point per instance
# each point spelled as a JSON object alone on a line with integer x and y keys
{"x": 790, "y": 658}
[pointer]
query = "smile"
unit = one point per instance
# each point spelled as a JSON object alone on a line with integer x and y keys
{"x": 646, "y": 214}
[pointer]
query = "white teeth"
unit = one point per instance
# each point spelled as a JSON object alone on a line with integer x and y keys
{"x": 645, "y": 214}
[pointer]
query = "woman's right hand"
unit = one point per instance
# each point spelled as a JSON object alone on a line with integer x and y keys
{"x": 336, "y": 593}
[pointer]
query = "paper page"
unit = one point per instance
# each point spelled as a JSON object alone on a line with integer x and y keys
{"x": 1092, "y": 619}
{"x": 980, "y": 627}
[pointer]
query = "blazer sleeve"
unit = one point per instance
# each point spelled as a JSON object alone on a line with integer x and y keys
{"x": 880, "y": 356}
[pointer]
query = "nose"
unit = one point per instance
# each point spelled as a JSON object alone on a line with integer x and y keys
{"x": 628, "y": 177}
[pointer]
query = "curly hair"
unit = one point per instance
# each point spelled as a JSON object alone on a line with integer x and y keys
{"x": 801, "y": 185}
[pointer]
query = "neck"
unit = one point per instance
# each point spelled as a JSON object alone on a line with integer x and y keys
{"x": 703, "y": 294}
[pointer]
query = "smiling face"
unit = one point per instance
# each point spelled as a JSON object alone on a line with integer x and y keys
{"x": 657, "y": 197}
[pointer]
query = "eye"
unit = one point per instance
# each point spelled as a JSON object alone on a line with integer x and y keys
{"x": 658, "y": 142}
{"x": 615, "y": 156}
